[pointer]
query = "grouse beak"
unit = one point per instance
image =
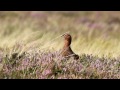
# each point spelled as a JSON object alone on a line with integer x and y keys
{"x": 62, "y": 35}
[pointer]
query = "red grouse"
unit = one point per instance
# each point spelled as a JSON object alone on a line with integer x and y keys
{"x": 67, "y": 51}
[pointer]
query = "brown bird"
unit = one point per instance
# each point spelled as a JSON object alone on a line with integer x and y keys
{"x": 67, "y": 51}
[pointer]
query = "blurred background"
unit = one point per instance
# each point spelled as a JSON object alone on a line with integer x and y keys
{"x": 93, "y": 32}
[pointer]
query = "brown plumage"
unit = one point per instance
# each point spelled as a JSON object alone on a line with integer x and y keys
{"x": 67, "y": 51}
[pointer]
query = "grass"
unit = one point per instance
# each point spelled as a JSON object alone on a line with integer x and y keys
{"x": 95, "y": 39}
